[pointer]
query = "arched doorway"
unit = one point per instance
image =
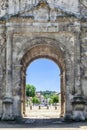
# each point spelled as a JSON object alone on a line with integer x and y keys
{"x": 44, "y": 50}
{"x": 42, "y": 87}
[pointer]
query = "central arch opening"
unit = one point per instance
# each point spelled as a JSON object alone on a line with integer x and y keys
{"x": 48, "y": 51}
{"x": 43, "y": 89}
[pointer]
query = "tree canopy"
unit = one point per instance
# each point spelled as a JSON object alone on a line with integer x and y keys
{"x": 55, "y": 98}
{"x": 47, "y": 94}
{"x": 35, "y": 100}
{"x": 30, "y": 90}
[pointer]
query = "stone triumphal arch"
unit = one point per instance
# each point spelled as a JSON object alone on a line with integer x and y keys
{"x": 32, "y": 29}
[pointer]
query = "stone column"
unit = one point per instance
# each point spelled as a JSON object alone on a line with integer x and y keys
{"x": 23, "y": 91}
{"x": 7, "y": 101}
{"x": 62, "y": 94}
{"x": 9, "y": 65}
{"x": 78, "y": 102}
{"x": 24, "y": 98}
{"x": 2, "y": 63}
{"x": 78, "y": 90}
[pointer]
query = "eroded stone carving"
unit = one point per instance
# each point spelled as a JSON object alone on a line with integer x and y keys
{"x": 2, "y": 41}
{"x": 83, "y": 8}
{"x": 3, "y": 7}
{"x": 83, "y": 2}
{"x": 71, "y": 7}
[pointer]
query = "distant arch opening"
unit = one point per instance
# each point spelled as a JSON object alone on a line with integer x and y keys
{"x": 43, "y": 89}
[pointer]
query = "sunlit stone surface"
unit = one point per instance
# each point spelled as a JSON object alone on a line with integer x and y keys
{"x": 54, "y": 29}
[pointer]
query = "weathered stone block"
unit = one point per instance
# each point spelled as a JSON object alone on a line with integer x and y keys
{"x": 52, "y": 29}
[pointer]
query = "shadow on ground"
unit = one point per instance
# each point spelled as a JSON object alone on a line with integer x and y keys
{"x": 41, "y": 123}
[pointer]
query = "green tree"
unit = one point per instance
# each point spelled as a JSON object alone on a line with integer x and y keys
{"x": 55, "y": 98}
{"x": 50, "y": 101}
{"x": 47, "y": 94}
{"x": 35, "y": 100}
{"x": 30, "y": 90}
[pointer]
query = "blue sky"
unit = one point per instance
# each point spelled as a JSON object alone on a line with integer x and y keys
{"x": 44, "y": 75}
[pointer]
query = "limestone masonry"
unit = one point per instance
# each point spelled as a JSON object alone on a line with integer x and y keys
{"x": 53, "y": 29}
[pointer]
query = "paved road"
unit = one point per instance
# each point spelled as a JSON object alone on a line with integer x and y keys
{"x": 43, "y": 124}
{"x": 42, "y": 120}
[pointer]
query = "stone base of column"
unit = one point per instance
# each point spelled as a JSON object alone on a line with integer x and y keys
{"x": 68, "y": 117}
{"x": 7, "y": 109}
{"x": 78, "y": 115}
{"x": 78, "y": 104}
